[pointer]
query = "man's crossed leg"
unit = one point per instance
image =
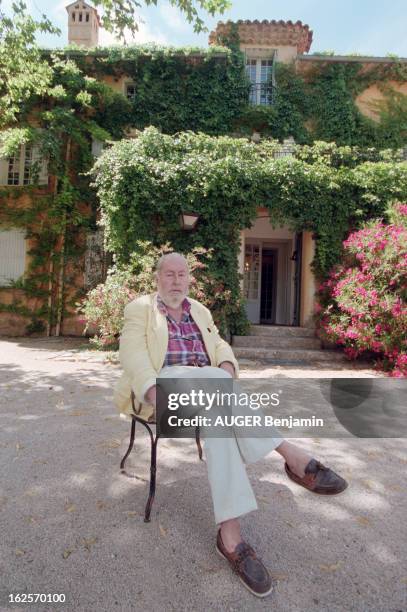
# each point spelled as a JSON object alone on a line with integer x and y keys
{"x": 232, "y": 494}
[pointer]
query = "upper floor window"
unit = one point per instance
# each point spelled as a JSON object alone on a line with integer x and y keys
{"x": 130, "y": 91}
{"x": 260, "y": 73}
{"x": 24, "y": 168}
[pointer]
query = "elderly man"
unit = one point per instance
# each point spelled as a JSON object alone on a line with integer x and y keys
{"x": 156, "y": 342}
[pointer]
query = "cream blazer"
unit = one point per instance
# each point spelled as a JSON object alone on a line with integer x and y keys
{"x": 143, "y": 346}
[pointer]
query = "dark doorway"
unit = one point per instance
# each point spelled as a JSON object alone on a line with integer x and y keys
{"x": 268, "y": 292}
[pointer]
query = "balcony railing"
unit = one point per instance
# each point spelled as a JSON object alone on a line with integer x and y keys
{"x": 262, "y": 93}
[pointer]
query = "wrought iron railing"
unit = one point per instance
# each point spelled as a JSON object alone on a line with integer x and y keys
{"x": 262, "y": 93}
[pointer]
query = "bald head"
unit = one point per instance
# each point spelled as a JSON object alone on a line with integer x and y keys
{"x": 172, "y": 275}
{"x": 170, "y": 257}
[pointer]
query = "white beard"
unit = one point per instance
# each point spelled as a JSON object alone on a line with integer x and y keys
{"x": 173, "y": 301}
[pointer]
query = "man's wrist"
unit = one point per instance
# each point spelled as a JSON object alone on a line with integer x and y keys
{"x": 231, "y": 367}
{"x": 150, "y": 394}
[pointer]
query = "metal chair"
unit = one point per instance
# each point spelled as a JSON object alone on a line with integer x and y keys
{"x": 153, "y": 461}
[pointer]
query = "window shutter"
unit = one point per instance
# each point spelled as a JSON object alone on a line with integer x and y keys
{"x": 3, "y": 170}
{"x": 12, "y": 255}
{"x": 97, "y": 147}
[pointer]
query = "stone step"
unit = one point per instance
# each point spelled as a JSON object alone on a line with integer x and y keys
{"x": 282, "y": 331}
{"x": 276, "y": 342}
{"x": 303, "y": 356}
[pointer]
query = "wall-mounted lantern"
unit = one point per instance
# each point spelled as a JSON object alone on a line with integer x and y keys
{"x": 188, "y": 221}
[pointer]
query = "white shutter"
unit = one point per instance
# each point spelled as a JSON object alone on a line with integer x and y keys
{"x": 12, "y": 255}
{"x": 3, "y": 170}
{"x": 97, "y": 147}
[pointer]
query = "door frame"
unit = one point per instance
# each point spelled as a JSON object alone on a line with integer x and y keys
{"x": 285, "y": 276}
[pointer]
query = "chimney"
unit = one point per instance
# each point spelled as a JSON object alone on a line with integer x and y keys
{"x": 83, "y": 24}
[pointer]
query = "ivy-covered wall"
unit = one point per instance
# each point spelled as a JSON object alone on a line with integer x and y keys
{"x": 322, "y": 103}
{"x": 207, "y": 90}
{"x": 145, "y": 184}
{"x": 203, "y": 90}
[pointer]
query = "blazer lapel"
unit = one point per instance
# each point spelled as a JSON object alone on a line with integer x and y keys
{"x": 160, "y": 330}
{"x": 207, "y": 335}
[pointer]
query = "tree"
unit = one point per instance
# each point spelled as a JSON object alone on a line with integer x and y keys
{"x": 25, "y": 73}
{"x": 121, "y": 14}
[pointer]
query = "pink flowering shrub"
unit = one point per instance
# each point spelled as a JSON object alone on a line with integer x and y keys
{"x": 362, "y": 306}
{"x": 103, "y": 306}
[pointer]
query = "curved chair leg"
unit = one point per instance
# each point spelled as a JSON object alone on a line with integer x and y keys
{"x": 132, "y": 433}
{"x": 153, "y": 470}
{"x": 198, "y": 442}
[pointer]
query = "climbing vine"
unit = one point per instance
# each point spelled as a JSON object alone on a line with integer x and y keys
{"x": 145, "y": 184}
{"x": 60, "y": 213}
{"x": 325, "y": 187}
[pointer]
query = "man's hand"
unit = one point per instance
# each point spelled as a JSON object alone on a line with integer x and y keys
{"x": 151, "y": 396}
{"x": 228, "y": 367}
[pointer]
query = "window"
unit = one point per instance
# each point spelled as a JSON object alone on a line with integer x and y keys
{"x": 80, "y": 16}
{"x": 12, "y": 255}
{"x": 131, "y": 91}
{"x": 24, "y": 168}
{"x": 73, "y": 16}
{"x": 260, "y": 73}
{"x": 87, "y": 17}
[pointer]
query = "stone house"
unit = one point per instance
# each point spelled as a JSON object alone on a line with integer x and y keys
{"x": 278, "y": 282}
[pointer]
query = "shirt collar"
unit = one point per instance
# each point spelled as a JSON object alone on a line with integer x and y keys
{"x": 186, "y": 307}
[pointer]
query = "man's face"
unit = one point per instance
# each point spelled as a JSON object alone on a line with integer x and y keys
{"x": 173, "y": 281}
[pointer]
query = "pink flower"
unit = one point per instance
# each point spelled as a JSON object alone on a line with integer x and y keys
{"x": 401, "y": 208}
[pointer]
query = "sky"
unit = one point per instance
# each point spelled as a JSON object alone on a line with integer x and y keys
{"x": 373, "y": 27}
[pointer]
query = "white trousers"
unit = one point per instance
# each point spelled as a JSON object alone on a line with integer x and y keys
{"x": 232, "y": 494}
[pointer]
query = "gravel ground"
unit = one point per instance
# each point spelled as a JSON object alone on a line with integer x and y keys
{"x": 71, "y": 523}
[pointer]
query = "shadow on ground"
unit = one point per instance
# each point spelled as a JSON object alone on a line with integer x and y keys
{"x": 71, "y": 523}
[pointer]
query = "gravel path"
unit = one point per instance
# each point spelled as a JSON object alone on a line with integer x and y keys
{"x": 71, "y": 523}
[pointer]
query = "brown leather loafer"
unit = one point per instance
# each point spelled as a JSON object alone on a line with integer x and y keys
{"x": 319, "y": 479}
{"x": 247, "y": 566}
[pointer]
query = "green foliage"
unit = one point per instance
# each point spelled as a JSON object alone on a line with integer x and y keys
{"x": 323, "y": 188}
{"x": 177, "y": 88}
{"x": 291, "y": 108}
{"x": 363, "y": 304}
{"x": 392, "y": 110}
{"x": 103, "y": 306}
{"x": 331, "y": 154}
{"x": 71, "y": 113}
{"x": 121, "y": 15}
{"x": 145, "y": 184}
{"x": 22, "y": 72}
{"x": 322, "y": 106}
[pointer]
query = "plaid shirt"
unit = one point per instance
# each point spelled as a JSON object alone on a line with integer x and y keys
{"x": 185, "y": 343}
